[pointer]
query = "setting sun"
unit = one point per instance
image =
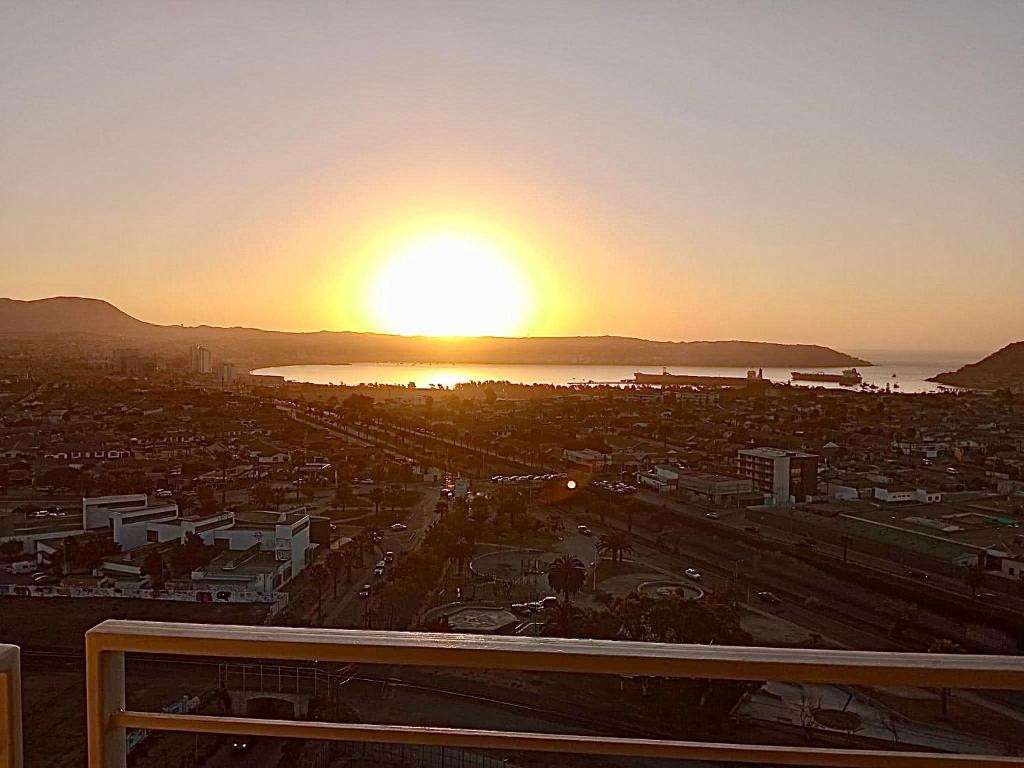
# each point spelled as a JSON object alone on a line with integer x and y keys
{"x": 450, "y": 284}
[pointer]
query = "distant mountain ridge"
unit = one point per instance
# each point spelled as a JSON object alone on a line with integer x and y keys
{"x": 67, "y": 317}
{"x": 1001, "y": 369}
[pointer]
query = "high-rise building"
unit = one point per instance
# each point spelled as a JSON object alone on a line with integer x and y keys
{"x": 200, "y": 359}
{"x": 785, "y": 476}
{"x": 128, "y": 361}
{"x": 227, "y": 373}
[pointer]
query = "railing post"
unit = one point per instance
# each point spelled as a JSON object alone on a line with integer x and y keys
{"x": 10, "y": 707}
{"x": 104, "y": 678}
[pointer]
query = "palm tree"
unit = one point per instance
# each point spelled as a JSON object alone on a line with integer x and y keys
{"x": 376, "y": 496}
{"x": 153, "y": 566}
{"x": 335, "y": 562}
{"x": 615, "y": 545}
{"x": 318, "y": 577}
{"x": 566, "y": 575}
{"x": 342, "y": 495}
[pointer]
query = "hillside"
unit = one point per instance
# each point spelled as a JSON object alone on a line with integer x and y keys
{"x": 66, "y": 317}
{"x": 1002, "y": 369}
{"x": 67, "y": 314}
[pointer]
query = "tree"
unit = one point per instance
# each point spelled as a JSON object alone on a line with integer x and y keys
{"x": 207, "y": 498}
{"x": 377, "y": 496}
{"x": 11, "y": 547}
{"x": 277, "y": 497}
{"x": 318, "y": 578}
{"x": 343, "y": 495}
{"x": 153, "y": 566}
{"x": 262, "y": 495}
{"x": 61, "y": 477}
{"x": 615, "y": 544}
{"x": 566, "y": 575}
{"x": 335, "y": 562}
{"x": 57, "y": 563}
{"x": 190, "y": 556}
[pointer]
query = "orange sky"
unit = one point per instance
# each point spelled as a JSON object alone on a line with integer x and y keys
{"x": 801, "y": 172}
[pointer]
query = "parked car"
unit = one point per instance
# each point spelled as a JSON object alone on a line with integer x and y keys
{"x": 693, "y": 574}
{"x": 399, "y": 527}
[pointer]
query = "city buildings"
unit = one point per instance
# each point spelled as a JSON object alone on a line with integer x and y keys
{"x": 200, "y": 360}
{"x": 782, "y": 476}
{"x": 228, "y": 374}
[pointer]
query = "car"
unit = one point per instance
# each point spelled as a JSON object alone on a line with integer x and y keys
{"x": 378, "y": 571}
{"x": 692, "y": 574}
{"x": 241, "y": 746}
{"x": 711, "y": 515}
{"x": 399, "y": 527}
{"x": 163, "y": 493}
{"x": 585, "y": 530}
{"x": 769, "y": 597}
{"x": 45, "y": 579}
{"x": 389, "y": 557}
{"x": 365, "y": 592}
{"x": 987, "y": 596}
{"x": 916, "y": 574}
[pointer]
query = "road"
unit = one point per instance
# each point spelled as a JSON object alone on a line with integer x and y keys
{"x": 263, "y": 753}
{"x": 347, "y": 610}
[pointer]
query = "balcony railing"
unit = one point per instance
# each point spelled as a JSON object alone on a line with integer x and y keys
{"x": 107, "y": 643}
{"x": 10, "y": 707}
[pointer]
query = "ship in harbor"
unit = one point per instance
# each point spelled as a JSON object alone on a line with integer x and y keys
{"x": 666, "y": 379}
{"x": 849, "y": 378}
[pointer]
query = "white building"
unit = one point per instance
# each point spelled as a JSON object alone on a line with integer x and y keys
{"x": 228, "y": 373}
{"x": 586, "y": 457}
{"x": 200, "y": 359}
{"x": 127, "y": 516}
{"x": 782, "y": 476}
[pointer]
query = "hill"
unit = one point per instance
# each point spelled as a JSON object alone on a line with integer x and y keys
{"x": 67, "y": 314}
{"x": 1000, "y": 370}
{"x": 71, "y": 318}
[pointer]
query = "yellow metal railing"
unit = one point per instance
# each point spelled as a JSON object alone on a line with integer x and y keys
{"x": 10, "y": 707}
{"x": 108, "y": 719}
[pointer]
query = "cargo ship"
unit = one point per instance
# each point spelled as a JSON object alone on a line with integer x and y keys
{"x": 752, "y": 379}
{"x": 848, "y": 378}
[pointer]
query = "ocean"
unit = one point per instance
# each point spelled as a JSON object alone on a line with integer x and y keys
{"x": 900, "y": 372}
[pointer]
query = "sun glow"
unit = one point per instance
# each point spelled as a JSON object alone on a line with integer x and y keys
{"x": 451, "y": 284}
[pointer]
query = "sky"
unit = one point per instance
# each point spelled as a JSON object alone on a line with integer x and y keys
{"x": 849, "y": 174}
